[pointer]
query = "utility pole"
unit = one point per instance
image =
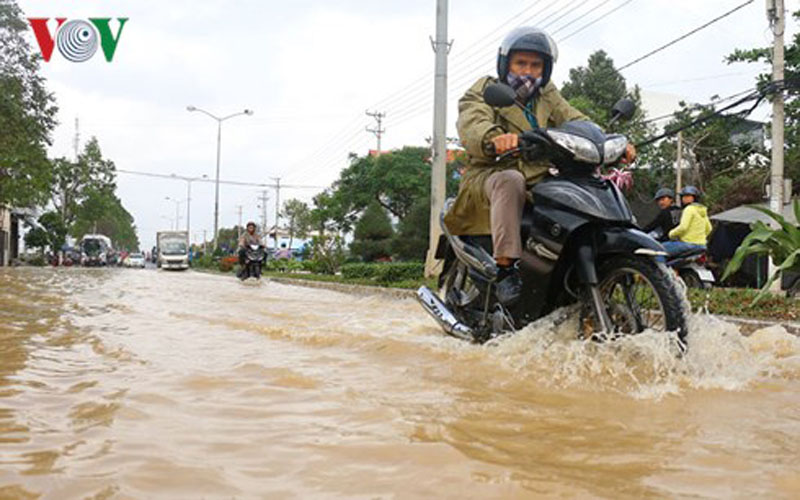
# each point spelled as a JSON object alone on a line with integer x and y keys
{"x": 442, "y": 47}
{"x": 76, "y": 141}
{"x": 776, "y": 16}
{"x": 277, "y": 206}
{"x": 377, "y": 131}
{"x": 239, "y": 227}
{"x": 263, "y": 199}
{"x": 679, "y": 169}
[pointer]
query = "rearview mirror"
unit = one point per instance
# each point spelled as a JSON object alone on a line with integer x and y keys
{"x": 499, "y": 95}
{"x": 623, "y": 109}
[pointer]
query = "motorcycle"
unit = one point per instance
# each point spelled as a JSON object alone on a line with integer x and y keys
{"x": 255, "y": 257}
{"x": 691, "y": 267}
{"x": 580, "y": 244}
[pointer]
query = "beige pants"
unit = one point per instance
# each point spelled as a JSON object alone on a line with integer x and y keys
{"x": 506, "y": 193}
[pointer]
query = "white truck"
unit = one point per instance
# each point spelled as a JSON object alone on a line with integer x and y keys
{"x": 173, "y": 249}
{"x": 95, "y": 250}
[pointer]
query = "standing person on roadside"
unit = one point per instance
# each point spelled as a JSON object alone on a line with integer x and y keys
{"x": 492, "y": 194}
{"x": 668, "y": 218}
{"x": 695, "y": 226}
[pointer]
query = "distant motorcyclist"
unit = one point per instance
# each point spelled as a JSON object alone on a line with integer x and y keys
{"x": 668, "y": 218}
{"x": 248, "y": 238}
{"x": 694, "y": 228}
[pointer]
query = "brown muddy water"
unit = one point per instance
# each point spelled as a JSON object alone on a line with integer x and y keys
{"x": 147, "y": 384}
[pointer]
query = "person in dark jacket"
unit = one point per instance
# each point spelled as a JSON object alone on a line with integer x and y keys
{"x": 668, "y": 218}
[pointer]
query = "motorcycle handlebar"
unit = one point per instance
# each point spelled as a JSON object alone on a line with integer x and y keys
{"x": 526, "y": 140}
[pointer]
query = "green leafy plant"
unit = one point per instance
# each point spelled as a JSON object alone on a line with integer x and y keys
{"x": 386, "y": 273}
{"x": 781, "y": 244}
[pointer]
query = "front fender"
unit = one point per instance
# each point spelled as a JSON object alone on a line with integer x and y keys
{"x": 616, "y": 240}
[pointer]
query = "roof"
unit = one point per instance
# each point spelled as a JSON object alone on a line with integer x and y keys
{"x": 746, "y": 215}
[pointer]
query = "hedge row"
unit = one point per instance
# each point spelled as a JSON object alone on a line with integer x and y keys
{"x": 390, "y": 272}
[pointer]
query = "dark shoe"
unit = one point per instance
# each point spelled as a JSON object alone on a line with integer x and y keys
{"x": 509, "y": 285}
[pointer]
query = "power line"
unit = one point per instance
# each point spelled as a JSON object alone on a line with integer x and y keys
{"x": 585, "y": 26}
{"x": 415, "y": 99}
{"x": 686, "y": 35}
{"x": 200, "y": 179}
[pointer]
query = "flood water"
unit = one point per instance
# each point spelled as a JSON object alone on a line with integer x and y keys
{"x": 147, "y": 384}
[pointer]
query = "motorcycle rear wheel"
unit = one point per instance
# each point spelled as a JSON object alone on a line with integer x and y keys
{"x": 641, "y": 294}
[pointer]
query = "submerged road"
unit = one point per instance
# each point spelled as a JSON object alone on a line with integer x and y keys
{"x": 118, "y": 383}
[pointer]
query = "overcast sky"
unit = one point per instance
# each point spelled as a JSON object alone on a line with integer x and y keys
{"x": 309, "y": 69}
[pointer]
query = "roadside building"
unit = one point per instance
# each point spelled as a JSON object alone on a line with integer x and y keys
{"x": 9, "y": 235}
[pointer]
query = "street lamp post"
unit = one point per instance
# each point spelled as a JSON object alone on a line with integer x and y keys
{"x": 189, "y": 181}
{"x": 219, "y": 120}
{"x": 177, "y": 210}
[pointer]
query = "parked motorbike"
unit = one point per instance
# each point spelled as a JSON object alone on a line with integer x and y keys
{"x": 580, "y": 244}
{"x": 255, "y": 257}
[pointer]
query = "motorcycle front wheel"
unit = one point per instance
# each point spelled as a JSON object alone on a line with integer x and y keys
{"x": 640, "y": 294}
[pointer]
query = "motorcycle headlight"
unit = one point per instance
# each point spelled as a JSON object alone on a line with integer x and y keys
{"x": 614, "y": 148}
{"x": 583, "y": 149}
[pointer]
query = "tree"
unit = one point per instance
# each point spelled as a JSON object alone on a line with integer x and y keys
{"x": 729, "y": 172}
{"x": 75, "y": 182}
{"x": 411, "y": 240}
{"x": 102, "y": 211}
{"x": 332, "y": 212}
{"x": 595, "y": 89}
{"x": 792, "y": 94}
{"x": 49, "y": 233}
{"x": 228, "y": 239}
{"x": 298, "y": 219}
{"x": 395, "y": 180}
{"x": 373, "y": 234}
{"x": 27, "y": 114}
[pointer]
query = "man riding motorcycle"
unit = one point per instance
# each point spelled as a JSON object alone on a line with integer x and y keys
{"x": 492, "y": 194}
{"x": 668, "y": 218}
{"x": 248, "y": 238}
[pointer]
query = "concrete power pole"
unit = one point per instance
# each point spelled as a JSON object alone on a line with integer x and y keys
{"x": 277, "y": 206}
{"x": 263, "y": 199}
{"x": 679, "y": 169}
{"x": 438, "y": 169}
{"x": 777, "y": 21}
{"x": 377, "y": 131}
{"x": 239, "y": 227}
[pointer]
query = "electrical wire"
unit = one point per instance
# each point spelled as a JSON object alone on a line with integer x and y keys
{"x": 684, "y": 36}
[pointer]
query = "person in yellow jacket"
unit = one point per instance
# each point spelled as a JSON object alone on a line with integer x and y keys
{"x": 694, "y": 228}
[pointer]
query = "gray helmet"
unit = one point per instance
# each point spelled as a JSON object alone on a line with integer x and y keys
{"x": 528, "y": 39}
{"x": 664, "y": 192}
{"x": 691, "y": 190}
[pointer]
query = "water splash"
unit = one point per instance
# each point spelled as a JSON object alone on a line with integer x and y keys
{"x": 649, "y": 365}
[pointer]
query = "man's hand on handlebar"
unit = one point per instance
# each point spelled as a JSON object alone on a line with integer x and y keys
{"x": 505, "y": 142}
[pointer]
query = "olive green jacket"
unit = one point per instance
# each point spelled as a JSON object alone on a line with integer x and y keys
{"x": 477, "y": 124}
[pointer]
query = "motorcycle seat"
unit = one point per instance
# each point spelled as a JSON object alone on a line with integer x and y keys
{"x": 691, "y": 252}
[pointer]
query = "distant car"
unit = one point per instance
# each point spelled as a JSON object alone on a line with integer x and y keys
{"x": 134, "y": 260}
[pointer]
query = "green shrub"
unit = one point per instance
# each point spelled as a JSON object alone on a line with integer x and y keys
{"x": 390, "y": 272}
{"x": 36, "y": 260}
{"x": 328, "y": 253}
{"x": 284, "y": 265}
{"x": 205, "y": 262}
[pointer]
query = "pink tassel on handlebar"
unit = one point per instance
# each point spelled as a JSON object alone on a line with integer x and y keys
{"x": 623, "y": 179}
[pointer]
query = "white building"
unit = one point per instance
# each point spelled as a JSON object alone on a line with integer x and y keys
{"x": 9, "y": 235}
